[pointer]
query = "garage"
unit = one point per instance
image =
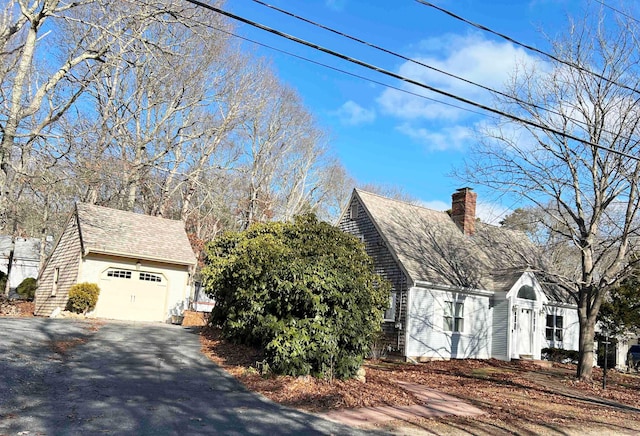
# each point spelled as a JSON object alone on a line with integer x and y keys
{"x": 132, "y": 295}
{"x": 142, "y": 264}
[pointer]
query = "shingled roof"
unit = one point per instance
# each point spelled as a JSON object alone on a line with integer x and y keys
{"x": 120, "y": 233}
{"x": 432, "y": 248}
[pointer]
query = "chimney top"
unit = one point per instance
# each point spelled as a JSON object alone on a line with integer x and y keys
{"x": 463, "y": 210}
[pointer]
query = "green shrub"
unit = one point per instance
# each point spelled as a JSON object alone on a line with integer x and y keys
{"x": 83, "y": 297}
{"x": 304, "y": 292}
{"x": 27, "y": 289}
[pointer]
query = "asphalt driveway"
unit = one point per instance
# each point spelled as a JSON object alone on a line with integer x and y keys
{"x": 78, "y": 377}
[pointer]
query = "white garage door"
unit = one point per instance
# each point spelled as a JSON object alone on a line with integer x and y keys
{"x": 132, "y": 295}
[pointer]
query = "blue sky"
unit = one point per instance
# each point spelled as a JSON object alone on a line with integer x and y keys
{"x": 386, "y": 137}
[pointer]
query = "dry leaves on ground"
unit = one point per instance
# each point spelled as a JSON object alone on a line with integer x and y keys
{"x": 515, "y": 395}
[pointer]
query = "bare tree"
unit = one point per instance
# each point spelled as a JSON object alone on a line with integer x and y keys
{"x": 588, "y": 188}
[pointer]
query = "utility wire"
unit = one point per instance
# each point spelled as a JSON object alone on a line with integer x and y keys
{"x": 339, "y": 70}
{"x": 617, "y": 10}
{"x": 446, "y": 73}
{"x": 528, "y": 47}
{"x": 408, "y": 80}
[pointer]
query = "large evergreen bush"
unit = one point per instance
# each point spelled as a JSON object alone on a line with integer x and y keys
{"x": 305, "y": 292}
{"x": 27, "y": 288}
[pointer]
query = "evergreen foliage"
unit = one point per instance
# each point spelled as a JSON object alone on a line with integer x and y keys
{"x": 304, "y": 291}
{"x": 620, "y": 311}
{"x": 27, "y": 288}
{"x": 83, "y": 297}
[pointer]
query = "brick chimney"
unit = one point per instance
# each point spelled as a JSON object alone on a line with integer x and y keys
{"x": 463, "y": 210}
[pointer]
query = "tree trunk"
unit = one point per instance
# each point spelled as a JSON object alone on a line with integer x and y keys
{"x": 586, "y": 338}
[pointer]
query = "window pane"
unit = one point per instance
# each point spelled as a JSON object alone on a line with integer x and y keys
{"x": 559, "y": 334}
{"x": 448, "y": 308}
{"x": 459, "y": 325}
{"x": 448, "y": 323}
{"x": 549, "y": 333}
{"x": 550, "y": 321}
{"x": 559, "y": 322}
{"x": 459, "y": 310}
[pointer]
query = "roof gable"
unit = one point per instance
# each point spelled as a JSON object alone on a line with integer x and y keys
{"x": 122, "y": 233}
{"x": 432, "y": 248}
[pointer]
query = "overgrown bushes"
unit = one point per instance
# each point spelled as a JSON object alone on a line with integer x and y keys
{"x": 27, "y": 288}
{"x": 83, "y": 297}
{"x": 305, "y": 292}
{"x": 560, "y": 355}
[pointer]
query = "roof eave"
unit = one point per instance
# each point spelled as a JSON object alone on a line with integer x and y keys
{"x": 452, "y": 288}
{"x": 91, "y": 250}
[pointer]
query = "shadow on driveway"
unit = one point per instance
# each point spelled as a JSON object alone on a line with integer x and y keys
{"x": 67, "y": 377}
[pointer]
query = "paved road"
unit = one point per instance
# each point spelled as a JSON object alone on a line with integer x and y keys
{"x": 61, "y": 377}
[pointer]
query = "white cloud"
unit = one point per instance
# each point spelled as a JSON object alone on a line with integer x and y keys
{"x": 351, "y": 113}
{"x": 491, "y": 213}
{"x": 469, "y": 56}
{"x": 447, "y": 138}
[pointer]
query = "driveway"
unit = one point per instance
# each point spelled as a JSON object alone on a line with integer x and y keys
{"x": 79, "y": 377}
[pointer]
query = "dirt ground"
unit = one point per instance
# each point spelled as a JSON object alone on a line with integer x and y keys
{"x": 518, "y": 397}
{"x": 19, "y": 308}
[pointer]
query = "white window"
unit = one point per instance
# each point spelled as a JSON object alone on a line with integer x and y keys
{"x": 119, "y": 273}
{"x": 390, "y": 313}
{"x": 354, "y": 211}
{"x": 56, "y": 278}
{"x": 453, "y": 316}
{"x": 555, "y": 329}
{"x": 148, "y": 277}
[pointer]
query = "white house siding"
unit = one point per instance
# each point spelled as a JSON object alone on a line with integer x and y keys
{"x": 426, "y": 336}
{"x": 176, "y": 298}
{"x": 571, "y": 327}
{"x": 500, "y": 327}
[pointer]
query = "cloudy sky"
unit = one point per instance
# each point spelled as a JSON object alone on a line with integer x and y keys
{"x": 383, "y": 135}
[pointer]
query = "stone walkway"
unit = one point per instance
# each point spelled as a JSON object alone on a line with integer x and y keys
{"x": 435, "y": 404}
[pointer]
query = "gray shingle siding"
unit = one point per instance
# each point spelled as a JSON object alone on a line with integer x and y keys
{"x": 66, "y": 256}
{"x": 385, "y": 264}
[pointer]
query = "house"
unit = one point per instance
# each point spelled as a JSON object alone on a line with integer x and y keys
{"x": 142, "y": 265}
{"x": 26, "y": 258}
{"x": 460, "y": 288}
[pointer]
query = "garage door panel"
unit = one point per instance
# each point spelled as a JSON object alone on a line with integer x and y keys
{"x": 132, "y": 295}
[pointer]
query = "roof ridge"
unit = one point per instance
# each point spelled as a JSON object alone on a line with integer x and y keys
{"x": 127, "y": 212}
{"x": 404, "y": 202}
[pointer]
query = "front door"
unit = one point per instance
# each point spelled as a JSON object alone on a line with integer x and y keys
{"x": 525, "y": 336}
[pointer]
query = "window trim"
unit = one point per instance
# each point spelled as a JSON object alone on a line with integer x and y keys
{"x": 146, "y": 276}
{"x": 392, "y": 308}
{"x": 118, "y": 273}
{"x": 453, "y": 316}
{"x": 554, "y": 333}
{"x": 56, "y": 279}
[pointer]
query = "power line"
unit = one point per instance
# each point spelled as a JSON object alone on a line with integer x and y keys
{"x": 414, "y": 61}
{"x": 339, "y": 70}
{"x": 617, "y": 10}
{"x": 408, "y": 80}
{"x": 528, "y": 47}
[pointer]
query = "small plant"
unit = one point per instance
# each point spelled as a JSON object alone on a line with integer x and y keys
{"x": 27, "y": 289}
{"x": 83, "y": 297}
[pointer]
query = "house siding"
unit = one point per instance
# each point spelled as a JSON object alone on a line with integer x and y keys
{"x": 500, "y": 326}
{"x": 427, "y": 338}
{"x": 571, "y": 327}
{"x": 385, "y": 264}
{"x": 66, "y": 256}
